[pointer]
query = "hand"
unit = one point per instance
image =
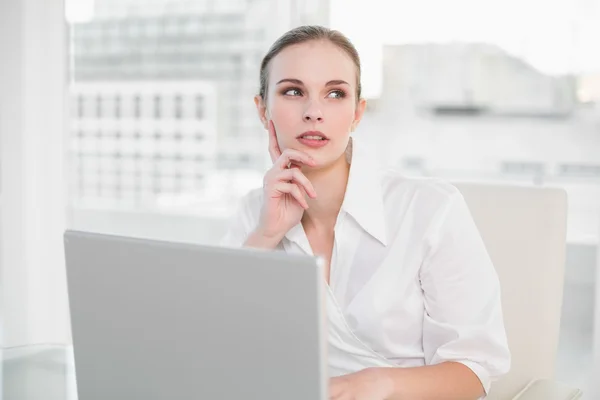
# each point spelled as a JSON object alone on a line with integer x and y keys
{"x": 368, "y": 384}
{"x": 285, "y": 189}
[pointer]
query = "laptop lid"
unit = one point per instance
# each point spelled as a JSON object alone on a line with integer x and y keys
{"x": 159, "y": 320}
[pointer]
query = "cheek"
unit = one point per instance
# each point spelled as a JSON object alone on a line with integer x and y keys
{"x": 342, "y": 115}
{"x": 285, "y": 118}
{"x": 283, "y": 111}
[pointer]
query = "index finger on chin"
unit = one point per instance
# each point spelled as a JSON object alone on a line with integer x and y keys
{"x": 274, "y": 149}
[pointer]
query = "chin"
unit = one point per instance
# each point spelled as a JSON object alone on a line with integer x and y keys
{"x": 327, "y": 159}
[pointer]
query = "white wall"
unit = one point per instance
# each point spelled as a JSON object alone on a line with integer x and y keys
{"x": 32, "y": 218}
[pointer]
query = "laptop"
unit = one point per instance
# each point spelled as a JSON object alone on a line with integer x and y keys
{"x": 159, "y": 320}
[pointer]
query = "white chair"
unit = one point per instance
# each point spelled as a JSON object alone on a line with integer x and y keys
{"x": 524, "y": 229}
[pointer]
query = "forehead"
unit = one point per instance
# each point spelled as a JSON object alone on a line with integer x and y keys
{"x": 314, "y": 62}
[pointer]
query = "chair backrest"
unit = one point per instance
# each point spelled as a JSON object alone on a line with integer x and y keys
{"x": 524, "y": 229}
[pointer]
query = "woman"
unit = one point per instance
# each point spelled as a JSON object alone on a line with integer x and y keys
{"x": 413, "y": 299}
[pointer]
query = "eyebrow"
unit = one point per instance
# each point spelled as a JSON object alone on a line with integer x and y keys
{"x": 299, "y": 82}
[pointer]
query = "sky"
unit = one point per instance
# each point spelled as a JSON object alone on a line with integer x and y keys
{"x": 556, "y": 36}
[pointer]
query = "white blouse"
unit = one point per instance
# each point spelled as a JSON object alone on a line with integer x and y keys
{"x": 409, "y": 270}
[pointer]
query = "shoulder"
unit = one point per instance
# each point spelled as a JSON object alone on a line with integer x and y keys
{"x": 420, "y": 204}
{"x": 426, "y": 193}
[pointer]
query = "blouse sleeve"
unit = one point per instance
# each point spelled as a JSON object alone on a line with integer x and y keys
{"x": 463, "y": 313}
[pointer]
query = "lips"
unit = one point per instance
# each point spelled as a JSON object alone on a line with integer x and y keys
{"x": 313, "y": 139}
{"x": 313, "y": 135}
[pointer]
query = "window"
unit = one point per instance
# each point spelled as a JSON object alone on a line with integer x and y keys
{"x": 151, "y": 27}
{"x": 137, "y": 106}
{"x": 80, "y": 112}
{"x": 199, "y": 107}
{"x": 134, "y": 28}
{"x": 580, "y": 170}
{"x": 413, "y": 163}
{"x": 178, "y": 105}
{"x": 522, "y": 168}
{"x": 458, "y": 110}
{"x": 117, "y": 106}
{"x": 192, "y": 25}
{"x": 99, "y": 106}
{"x": 172, "y": 26}
{"x": 157, "y": 107}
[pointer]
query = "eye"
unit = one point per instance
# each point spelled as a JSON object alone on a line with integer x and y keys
{"x": 292, "y": 92}
{"x": 336, "y": 94}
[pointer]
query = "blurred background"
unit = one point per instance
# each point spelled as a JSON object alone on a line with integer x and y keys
{"x": 162, "y": 138}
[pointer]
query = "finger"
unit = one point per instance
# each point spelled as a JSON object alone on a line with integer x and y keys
{"x": 274, "y": 149}
{"x": 336, "y": 391}
{"x": 291, "y": 155}
{"x": 295, "y": 175}
{"x": 293, "y": 190}
{"x": 342, "y": 395}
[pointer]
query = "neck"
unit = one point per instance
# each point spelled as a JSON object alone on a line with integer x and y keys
{"x": 330, "y": 185}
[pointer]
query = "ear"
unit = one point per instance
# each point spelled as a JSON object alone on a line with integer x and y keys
{"x": 261, "y": 108}
{"x": 358, "y": 113}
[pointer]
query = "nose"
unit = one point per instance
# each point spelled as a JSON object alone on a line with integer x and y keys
{"x": 313, "y": 113}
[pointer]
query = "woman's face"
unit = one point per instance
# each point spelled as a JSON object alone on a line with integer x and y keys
{"x": 312, "y": 101}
